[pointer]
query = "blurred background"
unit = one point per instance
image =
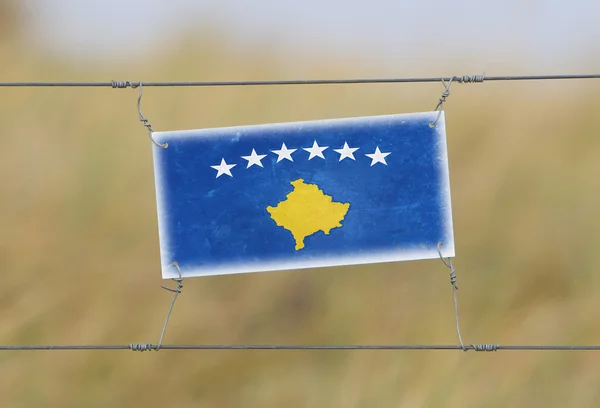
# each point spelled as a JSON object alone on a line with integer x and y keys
{"x": 78, "y": 238}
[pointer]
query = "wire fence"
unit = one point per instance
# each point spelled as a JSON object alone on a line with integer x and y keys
{"x": 459, "y": 79}
{"x": 446, "y": 81}
{"x": 154, "y": 347}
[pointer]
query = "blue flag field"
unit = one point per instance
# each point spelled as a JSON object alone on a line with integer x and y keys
{"x": 303, "y": 195}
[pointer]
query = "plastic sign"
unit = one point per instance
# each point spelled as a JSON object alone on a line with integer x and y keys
{"x": 303, "y": 195}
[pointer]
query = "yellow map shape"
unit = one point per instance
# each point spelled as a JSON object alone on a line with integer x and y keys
{"x": 307, "y": 211}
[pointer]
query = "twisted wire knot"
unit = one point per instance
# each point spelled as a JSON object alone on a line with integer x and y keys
{"x": 177, "y": 289}
{"x": 485, "y": 347}
{"x": 445, "y": 95}
{"x": 469, "y": 79}
{"x": 453, "y": 276}
{"x": 450, "y": 266}
{"x": 141, "y": 347}
{"x": 123, "y": 84}
{"x": 147, "y": 125}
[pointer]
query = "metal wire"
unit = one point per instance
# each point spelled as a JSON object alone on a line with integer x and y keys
{"x": 141, "y": 347}
{"x": 454, "y": 290}
{"x": 142, "y": 118}
{"x": 440, "y": 106}
{"x": 176, "y": 292}
{"x": 460, "y": 79}
{"x": 147, "y": 347}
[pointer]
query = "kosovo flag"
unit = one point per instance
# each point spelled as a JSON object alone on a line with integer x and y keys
{"x": 303, "y": 195}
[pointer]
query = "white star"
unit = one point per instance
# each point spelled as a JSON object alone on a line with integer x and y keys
{"x": 377, "y": 157}
{"x": 347, "y": 151}
{"x": 316, "y": 150}
{"x": 254, "y": 159}
{"x": 224, "y": 168}
{"x": 284, "y": 153}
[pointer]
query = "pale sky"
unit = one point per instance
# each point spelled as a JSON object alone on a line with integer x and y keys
{"x": 547, "y": 35}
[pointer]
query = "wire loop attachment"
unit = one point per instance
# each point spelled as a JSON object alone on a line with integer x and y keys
{"x": 465, "y": 79}
{"x": 475, "y": 347}
{"x": 440, "y": 106}
{"x": 141, "y": 115}
{"x": 454, "y": 290}
{"x": 176, "y": 291}
{"x": 141, "y": 347}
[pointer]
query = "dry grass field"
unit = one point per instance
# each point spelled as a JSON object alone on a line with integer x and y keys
{"x": 80, "y": 264}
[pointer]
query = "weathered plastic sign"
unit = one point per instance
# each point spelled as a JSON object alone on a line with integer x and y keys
{"x": 303, "y": 195}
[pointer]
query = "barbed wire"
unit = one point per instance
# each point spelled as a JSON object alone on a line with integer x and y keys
{"x": 459, "y": 79}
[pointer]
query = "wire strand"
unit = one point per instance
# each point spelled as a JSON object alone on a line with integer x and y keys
{"x": 145, "y": 347}
{"x": 460, "y": 79}
{"x": 176, "y": 292}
